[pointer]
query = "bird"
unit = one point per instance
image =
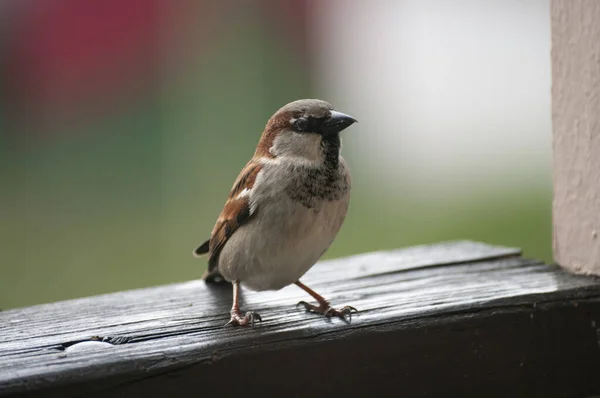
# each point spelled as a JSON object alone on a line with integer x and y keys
{"x": 284, "y": 209}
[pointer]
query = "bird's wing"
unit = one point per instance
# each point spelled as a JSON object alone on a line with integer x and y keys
{"x": 236, "y": 212}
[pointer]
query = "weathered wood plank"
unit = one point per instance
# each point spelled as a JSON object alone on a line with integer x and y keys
{"x": 433, "y": 319}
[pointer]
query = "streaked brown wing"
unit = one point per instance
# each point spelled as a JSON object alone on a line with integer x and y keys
{"x": 236, "y": 212}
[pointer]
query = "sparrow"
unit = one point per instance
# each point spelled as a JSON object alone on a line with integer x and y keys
{"x": 285, "y": 208}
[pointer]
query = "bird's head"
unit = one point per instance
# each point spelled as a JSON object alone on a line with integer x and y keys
{"x": 303, "y": 130}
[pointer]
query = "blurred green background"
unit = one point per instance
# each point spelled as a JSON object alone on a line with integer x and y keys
{"x": 124, "y": 124}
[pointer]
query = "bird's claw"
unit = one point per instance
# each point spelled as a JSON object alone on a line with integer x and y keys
{"x": 249, "y": 319}
{"x": 328, "y": 311}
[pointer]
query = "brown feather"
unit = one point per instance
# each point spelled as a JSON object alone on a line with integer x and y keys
{"x": 235, "y": 213}
{"x": 277, "y": 123}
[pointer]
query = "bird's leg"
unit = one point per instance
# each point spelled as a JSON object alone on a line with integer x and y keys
{"x": 236, "y": 315}
{"x": 324, "y": 308}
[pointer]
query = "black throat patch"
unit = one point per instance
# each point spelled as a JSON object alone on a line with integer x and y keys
{"x": 328, "y": 182}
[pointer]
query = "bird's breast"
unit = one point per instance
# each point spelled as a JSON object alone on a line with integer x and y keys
{"x": 297, "y": 219}
{"x": 308, "y": 185}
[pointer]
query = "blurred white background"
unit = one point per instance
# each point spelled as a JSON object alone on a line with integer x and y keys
{"x": 455, "y": 94}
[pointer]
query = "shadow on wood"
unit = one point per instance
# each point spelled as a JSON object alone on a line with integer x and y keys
{"x": 452, "y": 319}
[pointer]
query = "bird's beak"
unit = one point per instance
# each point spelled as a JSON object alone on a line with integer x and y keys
{"x": 336, "y": 123}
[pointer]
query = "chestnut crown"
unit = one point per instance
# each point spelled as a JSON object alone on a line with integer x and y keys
{"x": 297, "y": 128}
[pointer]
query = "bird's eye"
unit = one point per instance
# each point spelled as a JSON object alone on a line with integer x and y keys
{"x": 301, "y": 124}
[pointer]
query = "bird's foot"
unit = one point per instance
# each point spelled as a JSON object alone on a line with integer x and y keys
{"x": 325, "y": 309}
{"x": 249, "y": 319}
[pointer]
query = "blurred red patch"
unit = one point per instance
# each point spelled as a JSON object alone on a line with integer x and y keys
{"x": 69, "y": 54}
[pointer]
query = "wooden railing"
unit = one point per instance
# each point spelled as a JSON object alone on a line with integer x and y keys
{"x": 452, "y": 319}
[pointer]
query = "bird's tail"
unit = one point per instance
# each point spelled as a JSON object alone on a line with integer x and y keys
{"x": 214, "y": 277}
{"x": 202, "y": 249}
{"x": 209, "y": 276}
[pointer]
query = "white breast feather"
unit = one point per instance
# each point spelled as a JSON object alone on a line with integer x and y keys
{"x": 284, "y": 239}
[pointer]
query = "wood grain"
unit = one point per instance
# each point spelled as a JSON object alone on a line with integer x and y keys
{"x": 453, "y": 318}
